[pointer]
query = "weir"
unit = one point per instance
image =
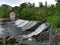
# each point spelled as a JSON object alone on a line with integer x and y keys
{"x": 23, "y": 30}
{"x": 38, "y": 30}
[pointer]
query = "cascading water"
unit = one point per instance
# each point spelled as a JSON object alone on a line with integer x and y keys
{"x": 25, "y": 24}
{"x": 29, "y": 25}
{"x": 19, "y": 21}
{"x": 21, "y": 25}
{"x": 37, "y": 31}
{"x": 19, "y": 29}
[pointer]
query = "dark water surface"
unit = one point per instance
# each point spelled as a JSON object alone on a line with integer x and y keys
{"x": 9, "y": 29}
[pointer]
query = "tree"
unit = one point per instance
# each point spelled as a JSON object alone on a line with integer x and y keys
{"x": 5, "y": 10}
{"x": 27, "y": 13}
{"x": 40, "y": 4}
{"x": 23, "y": 5}
{"x": 29, "y": 5}
{"x": 46, "y": 3}
{"x": 57, "y": 0}
{"x": 15, "y": 9}
{"x": 33, "y": 5}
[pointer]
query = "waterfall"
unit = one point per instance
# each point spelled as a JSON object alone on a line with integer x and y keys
{"x": 38, "y": 30}
{"x": 19, "y": 21}
{"x": 25, "y": 24}
{"x": 21, "y": 25}
{"x": 29, "y": 25}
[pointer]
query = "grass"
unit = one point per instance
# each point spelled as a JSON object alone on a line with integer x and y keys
{"x": 9, "y": 44}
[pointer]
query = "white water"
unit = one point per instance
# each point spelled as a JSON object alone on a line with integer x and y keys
{"x": 29, "y": 25}
{"x": 18, "y": 22}
{"x": 25, "y": 24}
{"x": 37, "y": 31}
{"x": 21, "y": 25}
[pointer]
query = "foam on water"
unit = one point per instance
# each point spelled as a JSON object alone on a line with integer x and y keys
{"x": 29, "y": 25}
{"x": 19, "y": 21}
{"x": 37, "y": 31}
{"x": 23, "y": 24}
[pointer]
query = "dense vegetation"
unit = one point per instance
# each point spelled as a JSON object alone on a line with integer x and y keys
{"x": 29, "y": 11}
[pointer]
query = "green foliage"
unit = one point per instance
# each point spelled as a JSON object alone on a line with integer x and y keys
{"x": 40, "y": 4}
{"x": 9, "y": 44}
{"x": 4, "y": 11}
{"x": 23, "y": 5}
{"x": 54, "y": 20}
{"x": 30, "y": 12}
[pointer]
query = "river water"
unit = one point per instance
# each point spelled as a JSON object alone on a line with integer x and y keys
{"x": 9, "y": 29}
{"x": 19, "y": 27}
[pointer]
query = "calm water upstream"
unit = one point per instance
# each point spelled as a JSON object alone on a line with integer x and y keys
{"x": 9, "y": 29}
